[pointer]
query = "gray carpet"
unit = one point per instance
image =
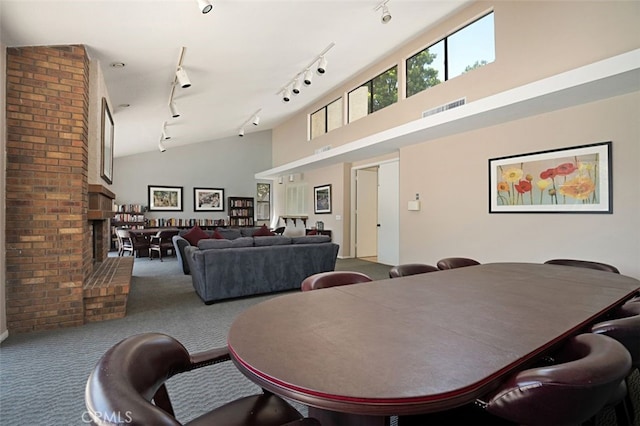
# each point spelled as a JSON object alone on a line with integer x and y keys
{"x": 43, "y": 374}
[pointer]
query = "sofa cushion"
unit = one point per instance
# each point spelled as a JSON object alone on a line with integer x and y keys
{"x": 263, "y": 231}
{"x": 273, "y": 240}
{"x": 311, "y": 239}
{"x": 229, "y": 233}
{"x": 194, "y": 235}
{"x": 248, "y": 231}
{"x": 242, "y": 242}
{"x": 212, "y": 243}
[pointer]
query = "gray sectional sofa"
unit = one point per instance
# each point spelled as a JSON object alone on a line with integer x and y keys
{"x": 246, "y": 266}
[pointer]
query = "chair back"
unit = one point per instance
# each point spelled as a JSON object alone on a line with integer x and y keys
{"x": 130, "y": 375}
{"x": 455, "y": 262}
{"x": 165, "y": 235}
{"x": 584, "y": 264}
{"x": 410, "y": 269}
{"x": 592, "y": 367}
{"x": 332, "y": 279}
{"x": 625, "y": 331}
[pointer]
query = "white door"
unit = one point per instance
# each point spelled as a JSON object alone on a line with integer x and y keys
{"x": 366, "y": 212}
{"x": 389, "y": 213}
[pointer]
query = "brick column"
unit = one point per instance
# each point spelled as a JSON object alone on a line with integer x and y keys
{"x": 47, "y": 232}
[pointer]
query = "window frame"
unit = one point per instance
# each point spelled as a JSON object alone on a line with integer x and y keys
{"x": 370, "y": 94}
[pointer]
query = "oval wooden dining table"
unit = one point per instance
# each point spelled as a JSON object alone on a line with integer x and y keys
{"x": 360, "y": 353}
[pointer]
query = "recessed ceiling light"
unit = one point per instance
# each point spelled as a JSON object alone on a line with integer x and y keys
{"x": 117, "y": 65}
{"x": 124, "y": 105}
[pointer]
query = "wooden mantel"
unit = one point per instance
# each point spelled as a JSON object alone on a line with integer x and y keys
{"x": 100, "y": 203}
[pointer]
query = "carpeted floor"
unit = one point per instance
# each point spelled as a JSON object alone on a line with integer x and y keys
{"x": 43, "y": 374}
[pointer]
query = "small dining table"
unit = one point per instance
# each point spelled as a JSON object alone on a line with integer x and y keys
{"x": 359, "y": 353}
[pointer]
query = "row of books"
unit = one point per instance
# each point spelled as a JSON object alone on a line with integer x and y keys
{"x": 128, "y": 217}
{"x": 129, "y": 208}
{"x": 166, "y": 222}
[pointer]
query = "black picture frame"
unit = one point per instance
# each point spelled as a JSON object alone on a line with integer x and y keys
{"x": 575, "y": 179}
{"x": 208, "y": 199}
{"x": 322, "y": 199}
{"x": 106, "y": 143}
{"x": 165, "y": 198}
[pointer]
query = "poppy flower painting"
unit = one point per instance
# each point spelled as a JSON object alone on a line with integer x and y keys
{"x": 566, "y": 180}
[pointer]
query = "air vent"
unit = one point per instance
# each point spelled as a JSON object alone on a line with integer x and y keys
{"x": 444, "y": 107}
{"x": 323, "y": 149}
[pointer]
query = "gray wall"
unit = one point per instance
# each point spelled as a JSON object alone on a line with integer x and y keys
{"x": 226, "y": 163}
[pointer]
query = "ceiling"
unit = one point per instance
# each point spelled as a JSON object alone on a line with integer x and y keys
{"x": 238, "y": 57}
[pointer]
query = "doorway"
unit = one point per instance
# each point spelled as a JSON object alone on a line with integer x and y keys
{"x": 376, "y": 216}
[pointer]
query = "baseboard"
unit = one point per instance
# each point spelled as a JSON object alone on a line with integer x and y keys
{"x": 4, "y": 335}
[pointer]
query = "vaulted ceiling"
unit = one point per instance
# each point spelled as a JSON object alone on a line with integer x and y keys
{"x": 238, "y": 57}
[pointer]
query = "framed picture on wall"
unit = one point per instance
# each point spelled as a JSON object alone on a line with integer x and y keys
{"x": 165, "y": 198}
{"x": 106, "y": 144}
{"x": 208, "y": 199}
{"x": 565, "y": 180}
{"x": 322, "y": 199}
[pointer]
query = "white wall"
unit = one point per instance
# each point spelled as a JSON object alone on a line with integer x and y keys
{"x": 451, "y": 175}
{"x": 228, "y": 163}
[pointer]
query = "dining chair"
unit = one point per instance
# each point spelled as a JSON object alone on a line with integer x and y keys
{"x": 590, "y": 369}
{"x": 625, "y": 330}
{"x": 279, "y": 230}
{"x": 332, "y": 279}
{"x": 583, "y": 264}
{"x": 129, "y": 381}
{"x": 125, "y": 243}
{"x": 162, "y": 242}
{"x": 455, "y": 262}
{"x": 407, "y": 269}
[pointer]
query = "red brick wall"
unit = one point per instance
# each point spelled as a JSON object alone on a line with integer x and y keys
{"x": 49, "y": 251}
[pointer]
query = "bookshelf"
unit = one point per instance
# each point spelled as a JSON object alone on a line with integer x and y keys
{"x": 241, "y": 211}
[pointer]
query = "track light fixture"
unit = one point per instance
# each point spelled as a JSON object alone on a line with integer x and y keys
{"x": 161, "y": 147}
{"x": 183, "y": 78}
{"x": 386, "y": 16}
{"x": 253, "y": 119}
{"x": 174, "y": 110}
{"x": 297, "y": 85}
{"x": 205, "y": 6}
{"x": 305, "y": 76}
{"x": 308, "y": 76}
{"x": 322, "y": 66}
{"x": 286, "y": 95}
{"x": 165, "y": 135}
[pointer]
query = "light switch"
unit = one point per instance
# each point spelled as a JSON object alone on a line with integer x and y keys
{"x": 413, "y": 205}
{"x": 338, "y": 217}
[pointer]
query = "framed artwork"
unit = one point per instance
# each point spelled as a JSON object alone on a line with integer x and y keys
{"x": 322, "y": 199}
{"x": 567, "y": 180}
{"x": 208, "y": 199}
{"x": 165, "y": 198}
{"x": 106, "y": 144}
{"x": 263, "y": 201}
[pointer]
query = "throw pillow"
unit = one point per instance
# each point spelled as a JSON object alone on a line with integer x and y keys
{"x": 312, "y": 232}
{"x": 194, "y": 235}
{"x": 263, "y": 232}
{"x": 218, "y": 236}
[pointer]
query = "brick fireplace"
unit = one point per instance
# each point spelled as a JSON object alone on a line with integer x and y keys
{"x": 50, "y": 240}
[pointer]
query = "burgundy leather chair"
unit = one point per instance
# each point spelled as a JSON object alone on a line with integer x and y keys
{"x": 407, "y": 269}
{"x": 162, "y": 242}
{"x": 455, "y": 262}
{"x": 332, "y": 279}
{"x": 591, "y": 368}
{"x": 583, "y": 264}
{"x": 625, "y": 330}
{"x": 130, "y": 379}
